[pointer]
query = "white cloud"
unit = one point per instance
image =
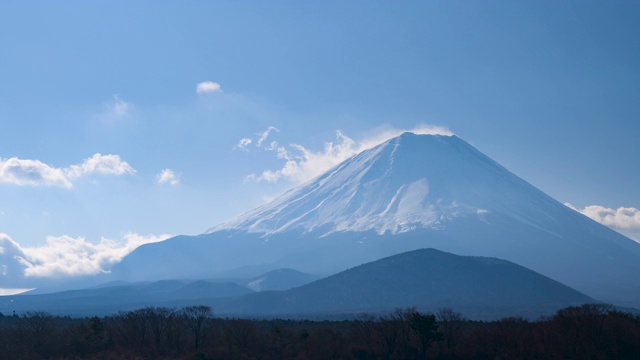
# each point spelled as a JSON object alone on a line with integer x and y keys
{"x": 272, "y": 146}
{"x": 24, "y": 172}
{"x": 69, "y": 256}
{"x": 302, "y": 164}
{"x": 625, "y": 220}
{"x": 243, "y": 143}
{"x": 100, "y": 164}
{"x": 265, "y": 134}
{"x": 167, "y": 176}
{"x": 208, "y": 87}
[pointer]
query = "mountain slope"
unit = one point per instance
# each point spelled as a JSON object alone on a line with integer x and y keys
{"x": 280, "y": 279}
{"x": 411, "y": 192}
{"x": 110, "y": 299}
{"x": 426, "y": 278}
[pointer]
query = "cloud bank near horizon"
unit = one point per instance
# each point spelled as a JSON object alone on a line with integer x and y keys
{"x": 625, "y": 220}
{"x": 68, "y": 256}
{"x": 302, "y": 164}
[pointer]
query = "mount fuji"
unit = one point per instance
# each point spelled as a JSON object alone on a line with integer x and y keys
{"x": 410, "y": 192}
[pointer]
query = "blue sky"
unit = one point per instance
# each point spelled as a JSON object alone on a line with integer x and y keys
{"x": 98, "y": 99}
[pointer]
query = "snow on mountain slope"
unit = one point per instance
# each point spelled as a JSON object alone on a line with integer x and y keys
{"x": 409, "y": 182}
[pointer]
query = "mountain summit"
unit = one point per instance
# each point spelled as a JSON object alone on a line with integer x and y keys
{"x": 409, "y": 182}
{"x": 410, "y": 192}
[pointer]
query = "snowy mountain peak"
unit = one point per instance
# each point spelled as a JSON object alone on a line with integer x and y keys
{"x": 408, "y": 182}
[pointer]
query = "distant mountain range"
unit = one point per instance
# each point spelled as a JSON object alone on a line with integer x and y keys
{"x": 410, "y": 192}
{"x": 427, "y": 279}
{"x": 371, "y": 214}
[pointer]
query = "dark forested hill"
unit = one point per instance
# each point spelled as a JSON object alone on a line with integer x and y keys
{"x": 427, "y": 279}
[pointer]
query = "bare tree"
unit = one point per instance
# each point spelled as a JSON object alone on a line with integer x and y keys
{"x": 197, "y": 319}
{"x": 449, "y": 324}
{"x": 40, "y": 327}
{"x": 389, "y": 330}
{"x": 38, "y": 323}
{"x": 133, "y": 326}
{"x": 160, "y": 320}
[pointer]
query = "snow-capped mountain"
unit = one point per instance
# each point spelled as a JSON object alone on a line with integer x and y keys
{"x": 407, "y": 183}
{"x": 411, "y": 192}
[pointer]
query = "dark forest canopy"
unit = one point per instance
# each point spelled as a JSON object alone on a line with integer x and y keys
{"x": 193, "y": 332}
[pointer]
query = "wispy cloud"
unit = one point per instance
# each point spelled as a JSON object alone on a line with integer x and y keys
{"x": 206, "y": 87}
{"x": 378, "y": 136}
{"x": 167, "y": 176}
{"x": 26, "y": 172}
{"x": 243, "y": 143}
{"x": 265, "y": 134}
{"x": 260, "y": 138}
{"x": 302, "y": 164}
{"x": 69, "y": 256}
{"x": 119, "y": 107}
{"x": 625, "y": 220}
{"x": 115, "y": 111}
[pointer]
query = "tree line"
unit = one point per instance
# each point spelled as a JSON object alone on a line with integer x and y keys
{"x": 592, "y": 331}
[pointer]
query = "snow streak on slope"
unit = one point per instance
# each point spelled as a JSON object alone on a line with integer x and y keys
{"x": 409, "y": 182}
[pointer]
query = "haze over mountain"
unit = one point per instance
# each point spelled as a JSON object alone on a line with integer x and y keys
{"x": 410, "y": 192}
